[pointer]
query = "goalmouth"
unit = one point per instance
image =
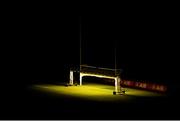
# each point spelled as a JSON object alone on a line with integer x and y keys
{"x": 100, "y": 73}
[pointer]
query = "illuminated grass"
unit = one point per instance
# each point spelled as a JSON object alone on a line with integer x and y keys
{"x": 96, "y": 92}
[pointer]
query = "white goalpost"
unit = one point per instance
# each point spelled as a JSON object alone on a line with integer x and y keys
{"x": 71, "y": 78}
{"x": 95, "y": 72}
{"x": 117, "y": 79}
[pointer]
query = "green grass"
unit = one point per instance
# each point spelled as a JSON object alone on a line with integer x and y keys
{"x": 95, "y": 92}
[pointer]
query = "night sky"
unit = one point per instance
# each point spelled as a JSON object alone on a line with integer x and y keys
{"x": 145, "y": 42}
{"x": 44, "y": 44}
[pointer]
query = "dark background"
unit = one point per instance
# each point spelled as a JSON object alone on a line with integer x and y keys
{"x": 42, "y": 45}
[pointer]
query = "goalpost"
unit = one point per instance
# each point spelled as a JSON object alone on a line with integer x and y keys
{"x": 116, "y": 78}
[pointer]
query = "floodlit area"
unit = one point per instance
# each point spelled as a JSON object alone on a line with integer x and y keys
{"x": 96, "y": 92}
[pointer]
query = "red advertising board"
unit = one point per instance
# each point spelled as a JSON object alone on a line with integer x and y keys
{"x": 143, "y": 85}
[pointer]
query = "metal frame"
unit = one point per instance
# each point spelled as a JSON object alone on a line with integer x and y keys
{"x": 117, "y": 79}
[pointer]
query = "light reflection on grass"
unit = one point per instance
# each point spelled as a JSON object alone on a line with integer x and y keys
{"x": 96, "y": 92}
